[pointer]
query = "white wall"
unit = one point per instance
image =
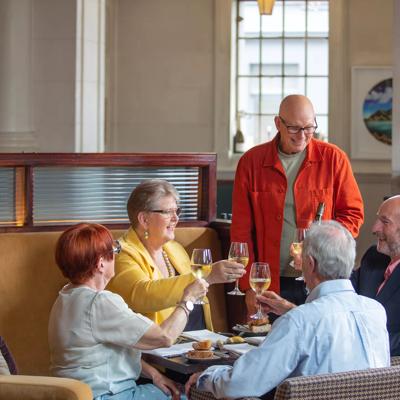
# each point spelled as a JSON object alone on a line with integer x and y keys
{"x": 53, "y": 75}
{"x": 361, "y": 35}
{"x": 162, "y": 76}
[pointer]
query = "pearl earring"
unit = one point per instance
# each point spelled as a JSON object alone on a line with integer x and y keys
{"x": 146, "y": 235}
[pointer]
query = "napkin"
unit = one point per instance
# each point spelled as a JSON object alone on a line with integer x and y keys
{"x": 203, "y": 334}
{"x": 173, "y": 351}
{"x": 240, "y": 348}
{"x": 256, "y": 340}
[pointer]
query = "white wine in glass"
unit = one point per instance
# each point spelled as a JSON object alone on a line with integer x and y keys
{"x": 297, "y": 246}
{"x": 238, "y": 252}
{"x": 201, "y": 271}
{"x": 260, "y": 279}
{"x": 201, "y": 265}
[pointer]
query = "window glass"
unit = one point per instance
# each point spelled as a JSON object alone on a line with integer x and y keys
{"x": 277, "y": 55}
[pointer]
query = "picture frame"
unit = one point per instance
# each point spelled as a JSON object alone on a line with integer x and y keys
{"x": 371, "y": 112}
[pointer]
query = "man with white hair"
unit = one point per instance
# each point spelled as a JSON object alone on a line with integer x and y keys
{"x": 335, "y": 330}
{"x": 379, "y": 274}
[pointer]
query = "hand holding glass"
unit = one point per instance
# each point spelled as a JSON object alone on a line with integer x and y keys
{"x": 260, "y": 279}
{"x": 238, "y": 252}
{"x": 201, "y": 265}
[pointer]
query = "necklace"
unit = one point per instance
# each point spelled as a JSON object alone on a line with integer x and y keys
{"x": 170, "y": 267}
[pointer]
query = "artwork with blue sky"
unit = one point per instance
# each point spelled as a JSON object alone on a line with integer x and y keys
{"x": 377, "y": 111}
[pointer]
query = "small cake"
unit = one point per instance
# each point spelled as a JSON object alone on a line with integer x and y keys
{"x": 202, "y": 345}
{"x": 200, "y": 354}
{"x": 259, "y": 325}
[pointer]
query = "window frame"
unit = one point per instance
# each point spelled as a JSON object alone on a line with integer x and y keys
{"x": 282, "y": 76}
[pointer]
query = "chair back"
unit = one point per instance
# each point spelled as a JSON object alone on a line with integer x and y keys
{"x": 374, "y": 383}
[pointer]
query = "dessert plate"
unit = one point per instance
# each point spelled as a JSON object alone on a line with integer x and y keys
{"x": 202, "y": 360}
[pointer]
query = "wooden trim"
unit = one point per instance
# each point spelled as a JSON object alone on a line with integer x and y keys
{"x": 29, "y": 196}
{"x": 108, "y": 159}
{"x": 25, "y": 164}
{"x": 55, "y": 228}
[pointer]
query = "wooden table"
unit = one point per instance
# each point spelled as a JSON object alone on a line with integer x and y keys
{"x": 181, "y": 365}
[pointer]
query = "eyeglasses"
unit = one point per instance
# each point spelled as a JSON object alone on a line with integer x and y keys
{"x": 169, "y": 213}
{"x": 116, "y": 247}
{"x": 308, "y": 130}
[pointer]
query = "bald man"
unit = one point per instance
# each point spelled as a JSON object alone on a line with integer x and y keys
{"x": 278, "y": 186}
{"x": 379, "y": 274}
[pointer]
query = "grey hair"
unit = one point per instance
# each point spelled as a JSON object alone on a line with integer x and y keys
{"x": 146, "y": 195}
{"x": 333, "y": 248}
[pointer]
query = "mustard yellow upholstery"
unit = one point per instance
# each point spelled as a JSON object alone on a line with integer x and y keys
{"x": 23, "y": 387}
{"x": 30, "y": 281}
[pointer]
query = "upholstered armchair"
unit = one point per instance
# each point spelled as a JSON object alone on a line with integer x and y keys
{"x": 375, "y": 383}
{"x": 24, "y": 387}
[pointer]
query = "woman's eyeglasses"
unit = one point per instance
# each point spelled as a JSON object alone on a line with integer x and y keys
{"x": 169, "y": 213}
{"x": 116, "y": 247}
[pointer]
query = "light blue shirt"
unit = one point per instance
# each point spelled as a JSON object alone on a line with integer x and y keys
{"x": 335, "y": 331}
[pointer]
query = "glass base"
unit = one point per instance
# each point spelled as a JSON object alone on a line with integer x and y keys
{"x": 236, "y": 292}
{"x": 300, "y": 278}
{"x": 257, "y": 315}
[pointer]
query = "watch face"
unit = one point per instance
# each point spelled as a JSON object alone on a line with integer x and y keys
{"x": 189, "y": 305}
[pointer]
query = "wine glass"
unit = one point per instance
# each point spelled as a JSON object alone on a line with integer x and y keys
{"x": 201, "y": 265}
{"x": 297, "y": 246}
{"x": 260, "y": 279}
{"x": 238, "y": 252}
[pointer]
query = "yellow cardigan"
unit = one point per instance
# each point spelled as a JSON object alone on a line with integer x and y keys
{"x": 140, "y": 283}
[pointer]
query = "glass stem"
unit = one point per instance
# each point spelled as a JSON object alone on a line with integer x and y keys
{"x": 237, "y": 284}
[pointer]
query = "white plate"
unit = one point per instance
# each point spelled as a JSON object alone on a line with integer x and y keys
{"x": 202, "y": 360}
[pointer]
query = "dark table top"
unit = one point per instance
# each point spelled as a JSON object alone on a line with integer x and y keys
{"x": 182, "y": 365}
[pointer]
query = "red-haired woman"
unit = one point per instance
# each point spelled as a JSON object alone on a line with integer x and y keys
{"x": 93, "y": 335}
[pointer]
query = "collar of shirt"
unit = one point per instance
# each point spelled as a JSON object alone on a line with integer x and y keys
{"x": 390, "y": 268}
{"x": 328, "y": 287}
{"x": 388, "y": 271}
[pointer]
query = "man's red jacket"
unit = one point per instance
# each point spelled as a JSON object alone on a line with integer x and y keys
{"x": 259, "y": 195}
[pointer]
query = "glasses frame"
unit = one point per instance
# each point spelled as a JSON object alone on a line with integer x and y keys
{"x": 169, "y": 213}
{"x": 116, "y": 247}
{"x": 294, "y": 130}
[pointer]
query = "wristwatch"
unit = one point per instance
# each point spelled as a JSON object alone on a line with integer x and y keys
{"x": 187, "y": 306}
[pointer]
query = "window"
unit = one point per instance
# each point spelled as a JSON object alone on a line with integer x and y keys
{"x": 277, "y": 55}
{"x": 43, "y": 190}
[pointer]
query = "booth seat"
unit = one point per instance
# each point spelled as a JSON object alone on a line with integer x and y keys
{"x": 30, "y": 282}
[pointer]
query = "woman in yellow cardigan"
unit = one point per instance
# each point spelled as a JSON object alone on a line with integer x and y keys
{"x": 152, "y": 269}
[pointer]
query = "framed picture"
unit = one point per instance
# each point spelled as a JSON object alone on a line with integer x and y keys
{"x": 371, "y": 113}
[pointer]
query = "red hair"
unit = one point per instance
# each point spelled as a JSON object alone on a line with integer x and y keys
{"x": 79, "y": 249}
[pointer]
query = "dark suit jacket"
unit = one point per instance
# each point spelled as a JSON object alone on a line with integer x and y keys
{"x": 366, "y": 281}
